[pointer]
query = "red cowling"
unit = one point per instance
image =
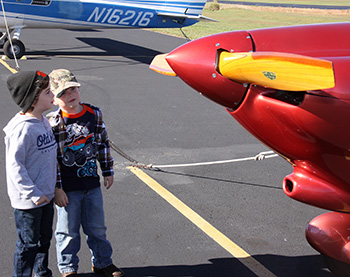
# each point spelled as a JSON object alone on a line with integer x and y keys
{"x": 310, "y": 128}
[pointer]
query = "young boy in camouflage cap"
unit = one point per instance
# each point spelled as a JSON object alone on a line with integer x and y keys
{"x": 82, "y": 139}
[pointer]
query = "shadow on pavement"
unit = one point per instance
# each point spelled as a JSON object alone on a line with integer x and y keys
{"x": 281, "y": 266}
{"x": 108, "y": 46}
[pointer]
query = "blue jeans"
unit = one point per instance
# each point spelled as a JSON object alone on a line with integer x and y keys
{"x": 34, "y": 232}
{"x": 85, "y": 208}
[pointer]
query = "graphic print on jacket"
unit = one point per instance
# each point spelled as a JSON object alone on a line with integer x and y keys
{"x": 80, "y": 149}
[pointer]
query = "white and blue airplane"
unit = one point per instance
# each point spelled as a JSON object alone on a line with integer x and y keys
{"x": 90, "y": 14}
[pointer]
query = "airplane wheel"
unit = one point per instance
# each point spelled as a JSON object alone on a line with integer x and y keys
{"x": 338, "y": 268}
{"x": 18, "y": 48}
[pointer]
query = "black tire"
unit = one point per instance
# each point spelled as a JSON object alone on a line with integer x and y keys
{"x": 18, "y": 48}
{"x": 88, "y": 149}
{"x": 68, "y": 158}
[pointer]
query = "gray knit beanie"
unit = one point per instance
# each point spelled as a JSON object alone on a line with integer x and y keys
{"x": 24, "y": 87}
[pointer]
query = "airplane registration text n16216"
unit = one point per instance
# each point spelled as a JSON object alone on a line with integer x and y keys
{"x": 123, "y": 18}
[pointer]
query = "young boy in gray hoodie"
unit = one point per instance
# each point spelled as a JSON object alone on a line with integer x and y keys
{"x": 31, "y": 171}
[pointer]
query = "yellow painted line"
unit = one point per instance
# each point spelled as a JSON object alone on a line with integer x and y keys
{"x": 7, "y": 66}
{"x": 205, "y": 226}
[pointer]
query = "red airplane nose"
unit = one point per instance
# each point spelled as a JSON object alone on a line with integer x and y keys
{"x": 195, "y": 63}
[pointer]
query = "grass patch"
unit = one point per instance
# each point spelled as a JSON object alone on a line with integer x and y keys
{"x": 303, "y": 2}
{"x": 241, "y": 17}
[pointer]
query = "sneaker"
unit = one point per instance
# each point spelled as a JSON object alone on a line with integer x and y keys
{"x": 69, "y": 274}
{"x": 110, "y": 271}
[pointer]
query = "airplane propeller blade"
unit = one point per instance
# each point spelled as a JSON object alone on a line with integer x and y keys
{"x": 160, "y": 65}
{"x": 276, "y": 70}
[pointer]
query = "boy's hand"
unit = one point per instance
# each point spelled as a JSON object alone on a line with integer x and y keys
{"x": 108, "y": 181}
{"x": 43, "y": 199}
{"x": 61, "y": 198}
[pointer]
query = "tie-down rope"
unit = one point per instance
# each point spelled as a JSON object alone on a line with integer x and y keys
{"x": 259, "y": 157}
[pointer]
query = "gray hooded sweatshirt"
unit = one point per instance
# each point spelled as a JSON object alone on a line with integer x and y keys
{"x": 31, "y": 160}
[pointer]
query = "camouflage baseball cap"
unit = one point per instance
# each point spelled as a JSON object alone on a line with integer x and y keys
{"x": 60, "y": 80}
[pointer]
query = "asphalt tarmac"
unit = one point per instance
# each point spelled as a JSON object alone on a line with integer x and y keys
{"x": 235, "y": 208}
